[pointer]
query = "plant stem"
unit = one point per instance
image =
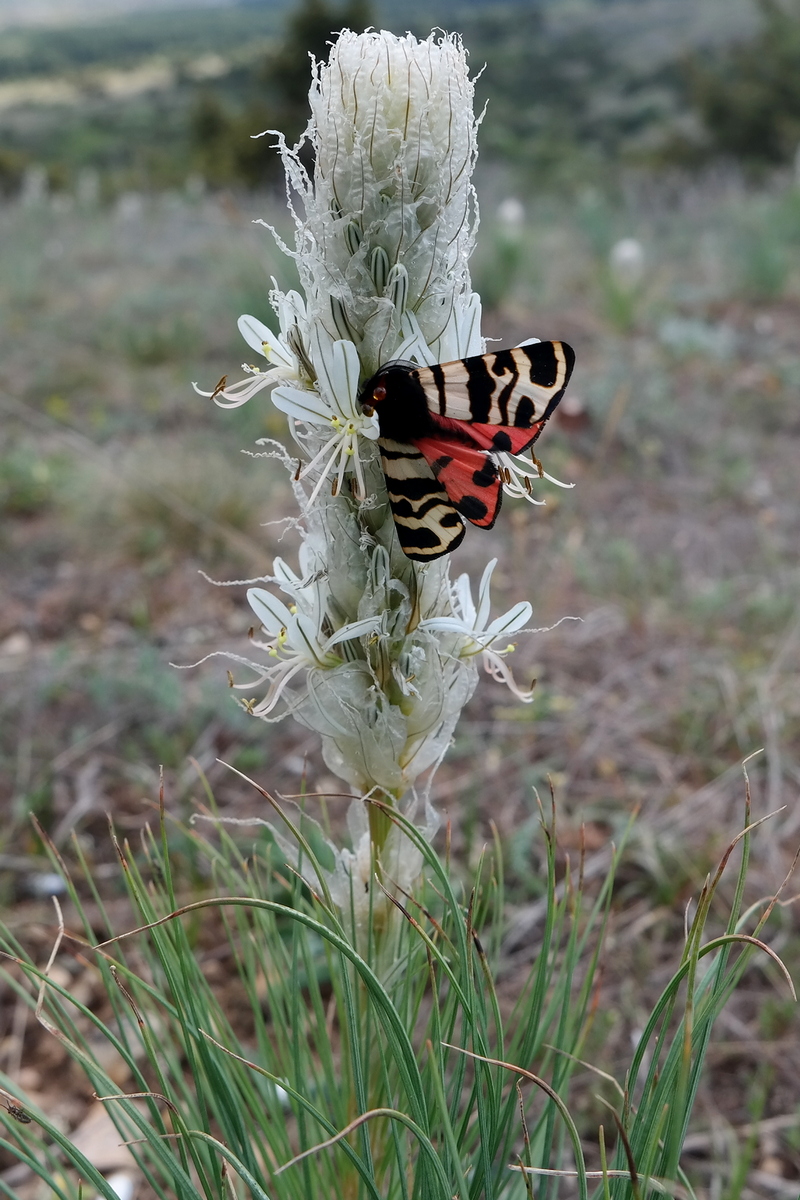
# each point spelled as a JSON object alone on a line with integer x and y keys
{"x": 380, "y": 824}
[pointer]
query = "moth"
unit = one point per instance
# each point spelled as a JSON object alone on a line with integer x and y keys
{"x": 441, "y": 428}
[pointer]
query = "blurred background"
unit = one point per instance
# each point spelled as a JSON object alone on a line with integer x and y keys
{"x": 639, "y": 183}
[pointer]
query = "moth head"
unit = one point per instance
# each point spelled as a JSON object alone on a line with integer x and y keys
{"x": 391, "y": 391}
{"x": 374, "y": 394}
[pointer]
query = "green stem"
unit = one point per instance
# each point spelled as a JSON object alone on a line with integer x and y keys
{"x": 380, "y": 824}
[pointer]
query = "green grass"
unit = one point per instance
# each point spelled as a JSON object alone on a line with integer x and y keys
{"x": 372, "y": 1055}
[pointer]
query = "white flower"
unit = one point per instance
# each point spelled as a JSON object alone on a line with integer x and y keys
{"x": 519, "y": 474}
{"x": 235, "y": 394}
{"x": 333, "y": 407}
{"x": 261, "y": 339}
{"x": 480, "y": 635}
{"x": 626, "y": 263}
{"x": 387, "y": 712}
{"x": 511, "y": 214}
{"x": 385, "y": 226}
{"x": 296, "y": 640}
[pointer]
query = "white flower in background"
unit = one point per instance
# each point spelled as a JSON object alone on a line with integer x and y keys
{"x": 511, "y": 214}
{"x": 626, "y": 263}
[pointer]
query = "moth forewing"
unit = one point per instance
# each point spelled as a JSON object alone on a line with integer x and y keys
{"x": 515, "y": 387}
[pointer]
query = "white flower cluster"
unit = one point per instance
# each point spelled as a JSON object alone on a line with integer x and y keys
{"x": 370, "y": 649}
{"x": 379, "y": 666}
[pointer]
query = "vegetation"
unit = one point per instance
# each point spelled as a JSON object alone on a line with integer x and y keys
{"x": 153, "y": 99}
{"x": 748, "y": 95}
{"x": 274, "y": 95}
{"x": 126, "y": 40}
{"x": 677, "y": 549}
{"x": 386, "y": 1062}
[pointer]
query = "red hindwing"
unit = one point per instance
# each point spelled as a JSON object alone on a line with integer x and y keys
{"x": 498, "y": 438}
{"x": 468, "y": 474}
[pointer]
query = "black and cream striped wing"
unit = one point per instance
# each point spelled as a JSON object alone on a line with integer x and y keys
{"x": 426, "y": 521}
{"x": 517, "y": 388}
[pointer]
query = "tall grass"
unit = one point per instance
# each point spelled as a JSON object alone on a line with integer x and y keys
{"x": 387, "y": 1062}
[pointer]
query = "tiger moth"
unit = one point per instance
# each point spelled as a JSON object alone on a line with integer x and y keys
{"x": 441, "y": 427}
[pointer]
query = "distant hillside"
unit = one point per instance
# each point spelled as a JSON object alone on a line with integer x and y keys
{"x": 161, "y": 89}
{"x": 43, "y": 13}
{"x": 653, "y": 27}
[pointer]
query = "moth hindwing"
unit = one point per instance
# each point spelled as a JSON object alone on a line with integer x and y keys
{"x": 441, "y": 426}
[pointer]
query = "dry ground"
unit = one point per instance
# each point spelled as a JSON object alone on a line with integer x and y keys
{"x": 678, "y": 548}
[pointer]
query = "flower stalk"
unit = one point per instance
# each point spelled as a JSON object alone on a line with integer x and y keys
{"x": 375, "y": 652}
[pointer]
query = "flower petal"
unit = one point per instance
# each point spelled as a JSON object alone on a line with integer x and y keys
{"x": 516, "y": 618}
{"x": 260, "y": 338}
{"x": 462, "y": 594}
{"x": 254, "y": 332}
{"x": 238, "y": 393}
{"x": 414, "y": 344}
{"x": 338, "y": 369}
{"x": 500, "y": 671}
{"x": 303, "y": 405}
{"x": 353, "y": 629}
{"x": 271, "y": 612}
{"x": 484, "y": 598}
